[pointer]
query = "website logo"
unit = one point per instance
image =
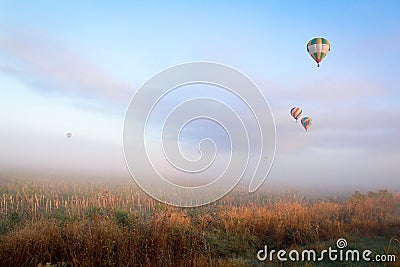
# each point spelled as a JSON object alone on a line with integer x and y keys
{"x": 340, "y": 253}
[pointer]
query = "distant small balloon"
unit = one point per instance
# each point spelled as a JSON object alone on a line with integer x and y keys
{"x": 69, "y": 135}
{"x": 306, "y": 122}
{"x": 296, "y": 112}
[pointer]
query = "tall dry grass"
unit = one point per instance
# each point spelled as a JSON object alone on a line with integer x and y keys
{"x": 49, "y": 221}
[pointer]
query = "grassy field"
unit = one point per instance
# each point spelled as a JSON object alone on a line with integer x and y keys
{"x": 70, "y": 223}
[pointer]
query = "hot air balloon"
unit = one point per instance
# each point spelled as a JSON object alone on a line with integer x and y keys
{"x": 296, "y": 112}
{"x": 306, "y": 122}
{"x": 318, "y": 48}
{"x": 69, "y": 135}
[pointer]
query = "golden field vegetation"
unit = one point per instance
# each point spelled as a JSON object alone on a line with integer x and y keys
{"x": 103, "y": 224}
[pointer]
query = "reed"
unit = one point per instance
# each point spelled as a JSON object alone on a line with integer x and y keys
{"x": 100, "y": 224}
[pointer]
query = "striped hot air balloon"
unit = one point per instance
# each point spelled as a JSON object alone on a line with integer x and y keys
{"x": 296, "y": 112}
{"x": 306, "y": 122}
{"x": 318, "y": 48}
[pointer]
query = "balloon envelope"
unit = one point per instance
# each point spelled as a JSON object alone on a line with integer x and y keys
{"x": 69, "y": 135}
{"x": 318, "y": 48}
{"x": 306, "y": 122}
{"x": 296, "y": 112}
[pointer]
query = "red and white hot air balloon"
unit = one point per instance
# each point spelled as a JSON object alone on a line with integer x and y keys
{"x": 296, "y": 112}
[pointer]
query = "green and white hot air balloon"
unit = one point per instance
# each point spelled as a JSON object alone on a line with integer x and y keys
{"x": 318, "y": 48}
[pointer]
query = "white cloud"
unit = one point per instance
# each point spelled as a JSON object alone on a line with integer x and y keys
{"x": 51, "y": 66}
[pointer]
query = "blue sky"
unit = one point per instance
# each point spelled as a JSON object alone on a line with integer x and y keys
{"x": 72, "y": 66}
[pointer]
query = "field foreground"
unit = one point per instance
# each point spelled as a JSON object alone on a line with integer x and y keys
{"x": 101, "y": 224}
